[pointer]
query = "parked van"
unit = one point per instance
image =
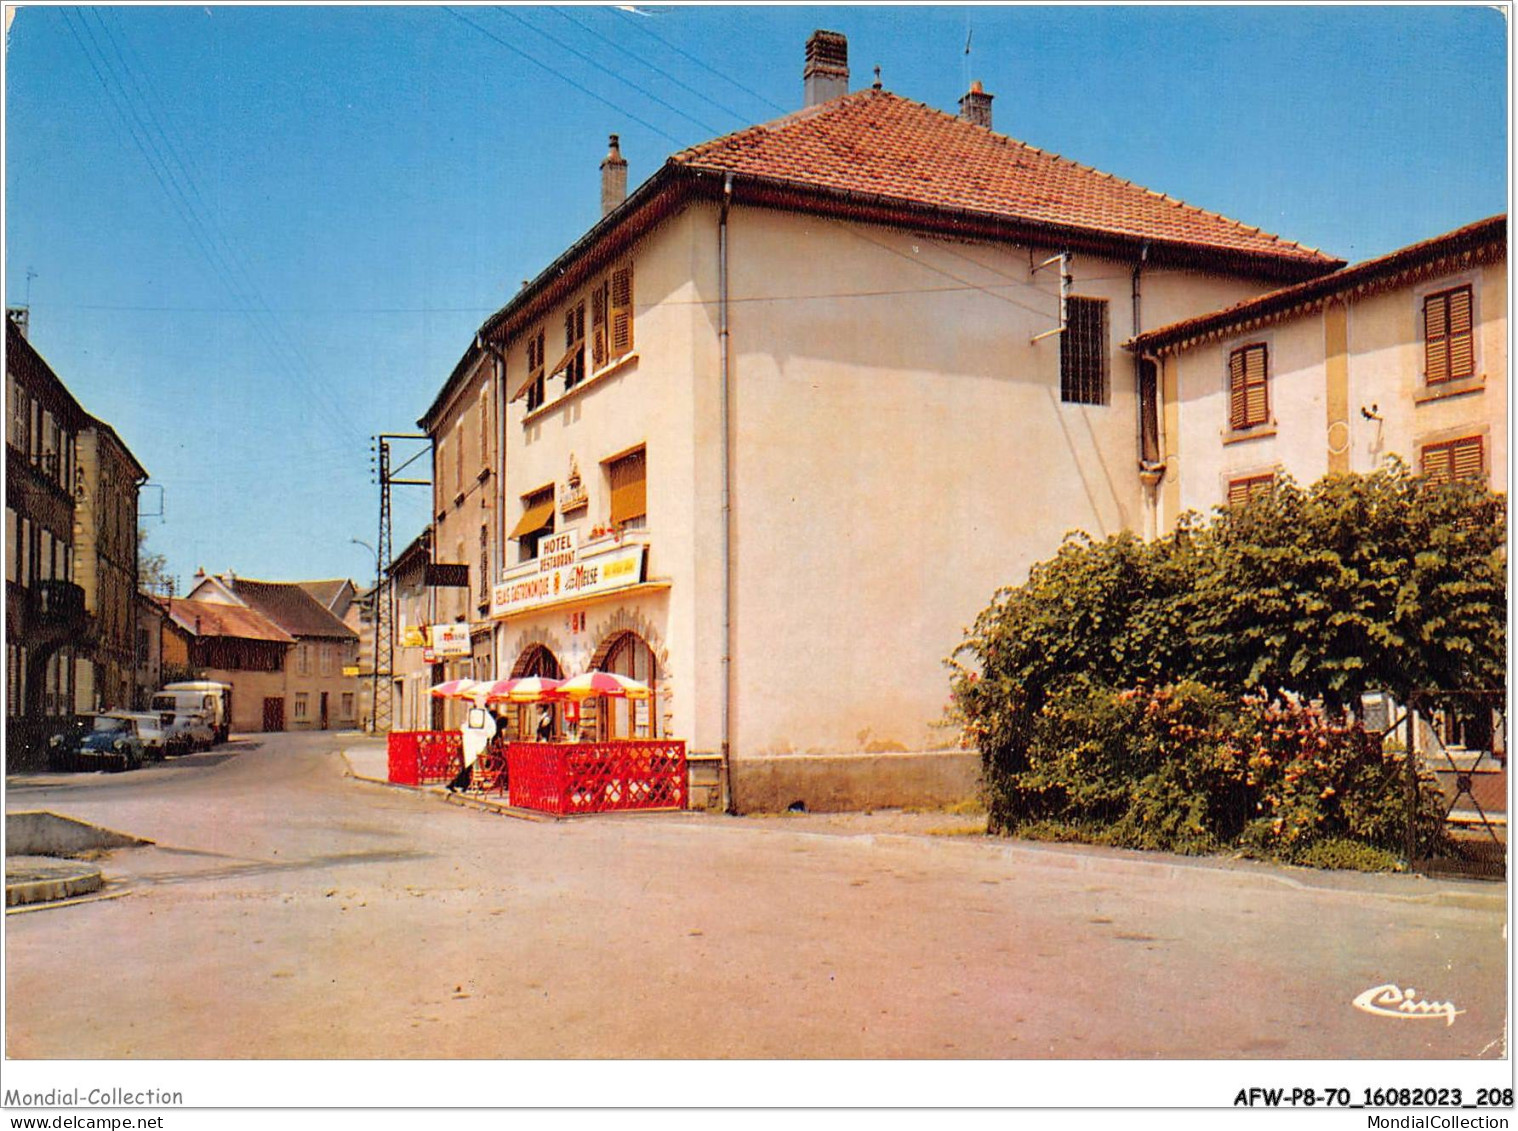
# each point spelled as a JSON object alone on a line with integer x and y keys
{"x": 211, "y": 701}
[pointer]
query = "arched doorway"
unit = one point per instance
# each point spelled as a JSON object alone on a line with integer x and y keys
{"x": 535, "y": 660}
{"x": 627, "y": 653}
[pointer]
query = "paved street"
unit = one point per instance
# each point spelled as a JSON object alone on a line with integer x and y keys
{"x": 288, "y": 910}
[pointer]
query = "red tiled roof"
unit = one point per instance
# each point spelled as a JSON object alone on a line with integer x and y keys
{"x": 211, "y": 618}
{"x": 879, "y": 144}
{"x": 1484, "y": 237}
{"x": 291, "y": 607}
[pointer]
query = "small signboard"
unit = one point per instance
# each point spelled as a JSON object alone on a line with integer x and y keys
{"x": 351, "y": 670}
{"x": 450, "y": 639}
{"x": 415, "y": 637}
{"x": 447, "y": 575}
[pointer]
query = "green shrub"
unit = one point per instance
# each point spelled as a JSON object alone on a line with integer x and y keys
{"x": 1377, "y": 582}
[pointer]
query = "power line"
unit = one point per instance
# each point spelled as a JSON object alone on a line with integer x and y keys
{"x": 622, "y": 47}
{"x": 223, "y": 264}
{"x": 687, "y": 55}
{"x": 514, "y": 49}
{"x": 670, "y": 106}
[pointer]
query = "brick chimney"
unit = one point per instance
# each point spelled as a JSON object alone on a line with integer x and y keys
{"x": 613, "y": 178}
{"x": 975, "y": 107}
{"x": 826, "y": 74}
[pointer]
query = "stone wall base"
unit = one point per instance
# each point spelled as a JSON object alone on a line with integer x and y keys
{"x": 840, "y": 783}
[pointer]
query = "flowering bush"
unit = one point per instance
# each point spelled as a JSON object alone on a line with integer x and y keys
{"x": 1186, "y": 769}
{"x": 1382, "y": 582}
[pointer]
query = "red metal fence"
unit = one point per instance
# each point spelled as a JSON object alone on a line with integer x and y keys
{"x": 597, "y": 777}
{"x": 424, "y": 757}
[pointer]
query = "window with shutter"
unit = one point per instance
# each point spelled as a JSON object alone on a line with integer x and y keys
{"x": 621, "y": 311}
{"x": 1248, "y": 392}
{"x": 535, "y": 370}
{"x": 1241, "y": 491}
{"x": 573, "y": 363}
{"x": 1464, "y": 458}
{"x": 628, "y": 477}
{"x": 598, "y": 355}
{"x": 1083, "y": 352}
{"x": 1449, "y": 340}
{"x": 484, "y": 410}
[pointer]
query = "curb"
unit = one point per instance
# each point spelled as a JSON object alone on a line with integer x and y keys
{"x": 67, "y": 883}
{"x": 461, "y": 800}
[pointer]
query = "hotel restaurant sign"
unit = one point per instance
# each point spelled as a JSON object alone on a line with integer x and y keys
{"x": 565, "y": 572}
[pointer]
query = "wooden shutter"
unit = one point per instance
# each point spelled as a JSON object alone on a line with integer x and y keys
{"x": 1436, "y": 338}
{"x": 1462, "y": 343}
{"x": 621, "y": 311}
{"x": 598, "y": 326}
{"x": 1248, "y": 391}
{"x": 629, "y": 487}
{"x": 1455, "y": 459}
{"x": 1241, "y": 491}
{"x": 1236, "y": 407}
{"x": 1467, "y": 458}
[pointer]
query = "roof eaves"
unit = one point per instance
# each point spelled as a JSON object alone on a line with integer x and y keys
{"x": 1286, "y": 301}
{"x": 827, "y": 200}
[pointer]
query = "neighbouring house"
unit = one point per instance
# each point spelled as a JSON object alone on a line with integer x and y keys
{"x": 464, "y": 425}
{"x": 411, "y": 674}
{"x": 148, "y": 671}
{"x": 105, "y": 566}
{"x": 230, "y": 643}
{"x": 817, "y": 389}
{"x": 318, "y": 694}
{"x": 47, "y": 626}
{"x": 1403, "y": 355}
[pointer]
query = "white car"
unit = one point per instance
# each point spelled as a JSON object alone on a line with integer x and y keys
{"x": 156, "y": 740}
{"x": 188, "y": 733}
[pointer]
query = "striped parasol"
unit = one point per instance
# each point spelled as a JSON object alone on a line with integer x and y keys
{"x": 455, "y": 689}
{"x": 604, "y": 683}
{"x": 527, "y": 689}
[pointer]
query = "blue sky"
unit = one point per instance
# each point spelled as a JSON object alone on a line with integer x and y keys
{"x": 260, "y": 235}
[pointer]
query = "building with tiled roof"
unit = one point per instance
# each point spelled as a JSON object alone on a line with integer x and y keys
{"x": 1402, "y": 355}
{"x": 319, "y": 688}
{"x": 774, "y": 430}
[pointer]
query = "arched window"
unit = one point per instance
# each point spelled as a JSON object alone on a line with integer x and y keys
{"x": 534, "y": 660}
{"x": 628, "y": 654}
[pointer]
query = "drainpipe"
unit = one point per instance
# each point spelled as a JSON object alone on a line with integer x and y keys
{"x": 725, "y": 364}
{"x": 499, "y": 471}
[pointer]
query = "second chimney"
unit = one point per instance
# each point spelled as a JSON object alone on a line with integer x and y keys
{"x": 826, "y": 74}
{"x": 975, "y": 107}
{"x": 613, "y": 178}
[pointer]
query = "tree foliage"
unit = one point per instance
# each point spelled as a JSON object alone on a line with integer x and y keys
{"x": 1381, "y": 582}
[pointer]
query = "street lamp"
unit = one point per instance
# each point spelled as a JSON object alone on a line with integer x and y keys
{"x": 374, "y": 596}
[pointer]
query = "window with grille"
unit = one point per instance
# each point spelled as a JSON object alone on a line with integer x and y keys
{"x": 535, "y": 365}
{"x": 1449, "y": 341}
{"x": 1083, "y": 352}
{"x": 1241, "y": 491}
{"x": 628, "y": 478}
{"x": 1464, "y": 458}
{"x": 1248, "y": 393}
{"x": 302, "y": 704}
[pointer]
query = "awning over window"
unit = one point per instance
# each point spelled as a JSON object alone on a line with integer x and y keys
{"x": 539, "y": 515}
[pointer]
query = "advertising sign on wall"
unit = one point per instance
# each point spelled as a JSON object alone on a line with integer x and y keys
{"x": 573, "y": 576}
{"x": 450, "y": 639}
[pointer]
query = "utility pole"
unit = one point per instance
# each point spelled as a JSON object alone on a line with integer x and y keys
{"x": 382, "y": 708}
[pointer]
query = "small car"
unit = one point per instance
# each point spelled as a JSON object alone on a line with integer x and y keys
{"x": 156, "y": 740}
{"x": 190, "y": 732}
{"x": 97, "y": 742}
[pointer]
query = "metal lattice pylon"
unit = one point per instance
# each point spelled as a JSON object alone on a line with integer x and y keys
{"x": 384, "y": 604}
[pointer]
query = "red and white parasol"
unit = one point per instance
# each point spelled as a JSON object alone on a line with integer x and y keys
{"x": 604, "y": 683}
